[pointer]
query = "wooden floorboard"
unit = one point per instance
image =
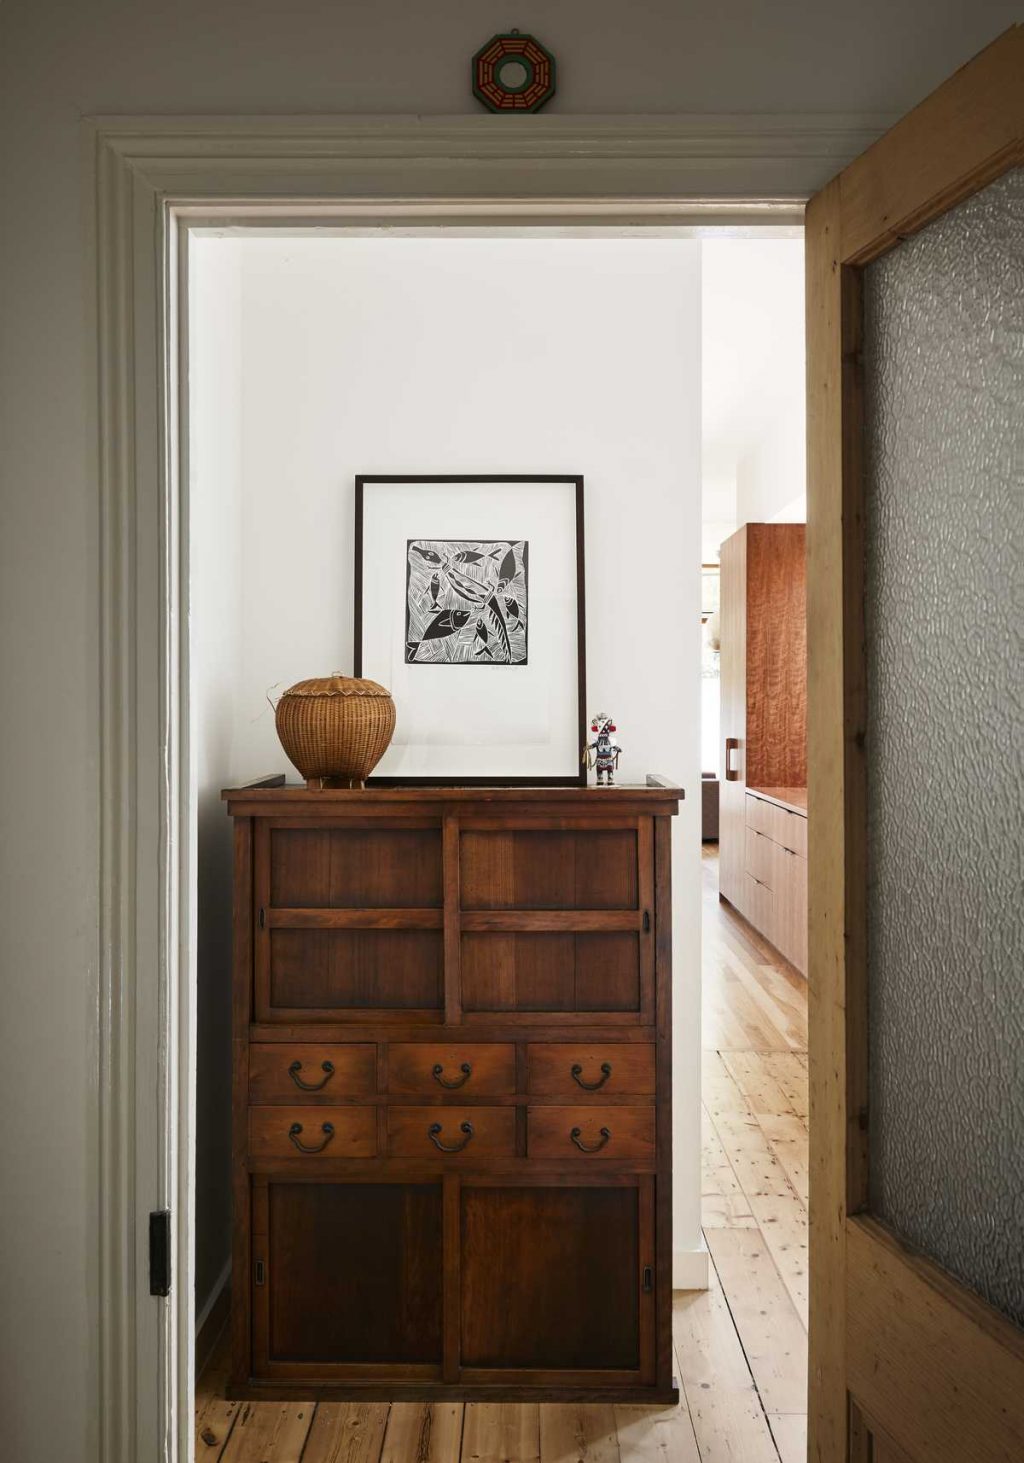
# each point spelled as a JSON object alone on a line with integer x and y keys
{"x": 741, "y": 1347}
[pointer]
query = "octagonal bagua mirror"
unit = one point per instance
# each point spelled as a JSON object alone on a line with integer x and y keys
{"x": 513, "y": 73}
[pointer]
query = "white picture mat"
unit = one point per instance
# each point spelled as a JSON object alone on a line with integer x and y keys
{"x": 476, "y": 720}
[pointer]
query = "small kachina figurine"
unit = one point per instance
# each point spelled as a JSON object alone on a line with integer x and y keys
{"x": 603, "y": 754}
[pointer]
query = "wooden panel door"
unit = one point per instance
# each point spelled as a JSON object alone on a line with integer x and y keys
{"x": 557, "y": 1281}
{"x": 905, "y": 1361}
{"x": 347, "y": 1278}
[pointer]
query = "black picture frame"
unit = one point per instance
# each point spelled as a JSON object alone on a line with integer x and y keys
{"x": 575, "y": 481}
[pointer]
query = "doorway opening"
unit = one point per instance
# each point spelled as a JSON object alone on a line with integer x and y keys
{"x": 754, "y": 827}
{"x": 316, "y": 357}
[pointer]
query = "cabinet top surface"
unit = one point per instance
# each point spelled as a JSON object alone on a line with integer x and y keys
{"x": 657, "y": 795}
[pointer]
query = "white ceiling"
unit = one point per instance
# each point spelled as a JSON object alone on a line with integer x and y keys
{"x": 753, "y": 357}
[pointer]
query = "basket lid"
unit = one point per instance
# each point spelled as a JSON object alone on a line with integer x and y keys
{"x": 336, "y": 685}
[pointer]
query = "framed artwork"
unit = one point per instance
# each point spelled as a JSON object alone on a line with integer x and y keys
{"x": 469, "y": 607}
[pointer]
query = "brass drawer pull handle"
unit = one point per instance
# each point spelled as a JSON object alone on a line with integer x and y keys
{"x": 577, "y": 1137}
{"x": 296, "y": 1129}
{"x": 434, "y": 1134}
{"x": 577, "y": 1075}
{"x": 437, "y": 1072}
{"x": 296, "y": 1067}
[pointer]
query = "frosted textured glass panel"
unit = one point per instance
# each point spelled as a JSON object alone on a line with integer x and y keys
{"x": 944, "y": 366}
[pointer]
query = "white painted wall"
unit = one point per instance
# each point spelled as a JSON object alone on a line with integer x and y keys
{"x": 454, "y": 355}
{"x": 753, "y": 423}
{"x": 59, "y": 62}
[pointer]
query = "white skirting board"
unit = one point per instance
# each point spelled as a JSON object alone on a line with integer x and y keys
{"x": 690, "y": 1269}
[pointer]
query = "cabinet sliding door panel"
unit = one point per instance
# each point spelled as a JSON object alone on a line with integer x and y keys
{"x": 944, "y": 401}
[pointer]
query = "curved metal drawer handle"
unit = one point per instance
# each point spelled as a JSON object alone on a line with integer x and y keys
{"x": 577, "y": 1075}
{"x": 296, "y": 1068}
{"x": 577, "y": 1137}
{"x": 434, "y": 1134}
{"x": 437, "y": 1072}
{"x": 296, "y": 1129}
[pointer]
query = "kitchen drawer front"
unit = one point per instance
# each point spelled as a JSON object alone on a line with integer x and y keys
{"x": 320, "y": 1135}
{"x": 778, "y": 824}
{"x": 483, "y": 1069}
{"x": 563, "y": 1069}
{"x": 289, "y": 1072}
{"x": 761, "y": 857}
{"x": 549, "y": 869}
{"x": 591, "y": 1132}
{"x": 451, "y": 1132}
{"x": 759, "y": 907}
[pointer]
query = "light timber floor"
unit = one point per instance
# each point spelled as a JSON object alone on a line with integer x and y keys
{"x": 741, "y": 1346}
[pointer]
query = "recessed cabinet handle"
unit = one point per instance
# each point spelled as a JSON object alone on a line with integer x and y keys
{"x": 296, "y": 1067}
{"x": 437, "y": 1072}
{"x": 577, "y": 1137}
{"x": 434, "y": 1134}
{"x": 577, "y": 1076}
{"x": 296, "y": 1128}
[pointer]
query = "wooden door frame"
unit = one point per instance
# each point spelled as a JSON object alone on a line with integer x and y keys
{"x": 147, "y": 182}
{"x": 964, "y": 1394}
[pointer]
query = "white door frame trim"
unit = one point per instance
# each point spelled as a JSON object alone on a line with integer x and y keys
{"x": 149, "y": 179}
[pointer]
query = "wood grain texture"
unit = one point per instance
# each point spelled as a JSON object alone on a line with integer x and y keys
{"x": 354, "y": 1132}
{"x": 409, "y": 1132}
{"x": 560, "y": 1069}
{"x": 957, "y": 1396}
{"x": 273, "y": 1077}
{"x": 630, "y": 1133}
{"x": 346, "y": 1432}
{"x": 776, "y": 656}
{"x": 959, "y": 138}
{"x": 412, "y": 1067}
{"x": 826, "y": 895}
{"x": 426, "y": 1432}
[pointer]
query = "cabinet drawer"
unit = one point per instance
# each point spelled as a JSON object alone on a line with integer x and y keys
{"x": 287, "y": 1072}
{"x": 590, "y": 1132}
{"x": 761, "y": 855}
{"x": 778, "y": 824}
{"x": 476, "y": 1132}
{"x": 759, "y": 906}
{"x": 485, "y": 1069}
{"x": 559, "y": 1069}
{"x": 324, "y": 1133}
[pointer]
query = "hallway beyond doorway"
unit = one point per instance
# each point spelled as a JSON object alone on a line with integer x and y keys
{"x": 741, "y": 1346}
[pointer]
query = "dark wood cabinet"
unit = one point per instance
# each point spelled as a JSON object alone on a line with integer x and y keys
{"x": 452, "y": 1126}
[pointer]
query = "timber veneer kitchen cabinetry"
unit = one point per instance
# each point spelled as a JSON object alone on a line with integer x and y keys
{"x": 452, "y": 1129}
{"x": 763, "y": 670}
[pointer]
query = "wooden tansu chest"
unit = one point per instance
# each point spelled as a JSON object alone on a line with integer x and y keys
{"x": 452, "y": 1127}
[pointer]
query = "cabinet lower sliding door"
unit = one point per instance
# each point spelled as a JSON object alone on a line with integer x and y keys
{"x": 347, "y": 1279}
{"x": 556, "y": 1282}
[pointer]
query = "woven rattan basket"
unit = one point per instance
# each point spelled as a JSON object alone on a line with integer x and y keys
{"x": 335, "y": 729}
